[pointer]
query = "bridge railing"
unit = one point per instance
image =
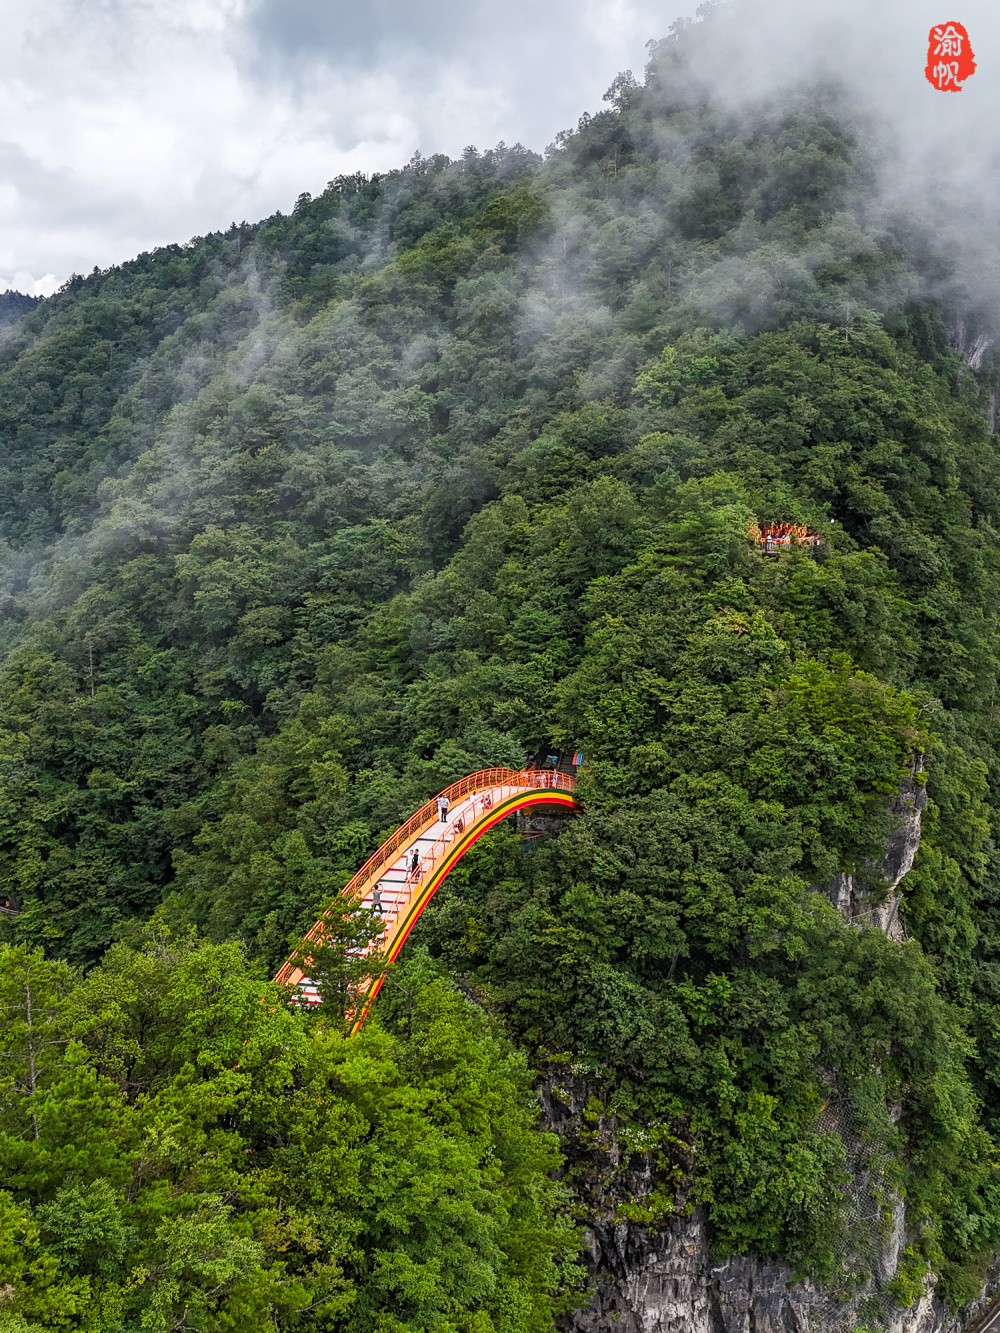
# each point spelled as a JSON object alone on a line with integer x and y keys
{"x": 486, "y": 779}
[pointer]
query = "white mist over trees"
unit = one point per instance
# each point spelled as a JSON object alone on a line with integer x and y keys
{"x": 130, "y": 125}
{"x": 449, "y": 466}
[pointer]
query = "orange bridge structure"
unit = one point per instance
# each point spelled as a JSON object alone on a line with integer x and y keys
{"x": 400, "y": 879}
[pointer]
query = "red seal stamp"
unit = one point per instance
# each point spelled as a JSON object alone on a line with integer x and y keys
{"x": 950, "y": 58}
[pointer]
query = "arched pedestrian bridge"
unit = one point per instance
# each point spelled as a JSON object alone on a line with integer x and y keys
{"x": 403, "y": 875}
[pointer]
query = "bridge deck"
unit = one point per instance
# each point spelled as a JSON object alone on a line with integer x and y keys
{"x": 406, "y": 871}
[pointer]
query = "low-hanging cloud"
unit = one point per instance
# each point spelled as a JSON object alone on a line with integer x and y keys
{"x": 938, "y": 152}
{"x": 128, "y": 123}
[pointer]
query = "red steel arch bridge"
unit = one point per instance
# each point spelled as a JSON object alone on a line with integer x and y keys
{"x": 400, "y": 879}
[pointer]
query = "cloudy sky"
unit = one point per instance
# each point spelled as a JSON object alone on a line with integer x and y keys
{"x": 128, "y": 123}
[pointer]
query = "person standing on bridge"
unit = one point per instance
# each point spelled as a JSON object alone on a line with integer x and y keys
{"x": 443, "y": 809}
{"x": 414, "y": 863}
{"x": 377, "y": 900}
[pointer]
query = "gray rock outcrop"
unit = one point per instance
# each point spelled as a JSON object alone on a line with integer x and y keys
{"x": 870, "y": 896}
{"x": 662, "y": 1277}
{"x": 658, "y": 1275}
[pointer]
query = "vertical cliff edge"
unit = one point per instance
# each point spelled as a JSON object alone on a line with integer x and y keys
{"x": 653, "y": 1271}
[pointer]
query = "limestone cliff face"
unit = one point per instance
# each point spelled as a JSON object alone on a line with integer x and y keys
{"x": 661, "y": 1277}
{"x": 972, "y": 345}
{"x": 870, "y": 897}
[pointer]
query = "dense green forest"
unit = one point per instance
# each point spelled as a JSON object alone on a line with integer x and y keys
{"x": 304, "y": 520}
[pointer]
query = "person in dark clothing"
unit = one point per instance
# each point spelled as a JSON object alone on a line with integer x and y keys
{"x": 414, "y": 863}
{"x": 377, "y": 899}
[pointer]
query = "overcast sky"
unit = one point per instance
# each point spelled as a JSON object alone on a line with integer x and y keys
{"x": 129, "y": 123}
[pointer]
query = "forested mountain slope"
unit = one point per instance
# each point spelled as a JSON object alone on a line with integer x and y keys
{"x": 305, "y": 520}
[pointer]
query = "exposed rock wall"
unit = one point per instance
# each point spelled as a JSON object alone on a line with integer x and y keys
{"x": 666, "y": 1282}
{"x": 870, "y": 896}
{"x": 970, "y": 343}
{"x": 662, "y": 1277}
{"x": 973, "y": 345}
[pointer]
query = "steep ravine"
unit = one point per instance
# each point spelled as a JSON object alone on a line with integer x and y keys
{"x": 660, "y": 1276}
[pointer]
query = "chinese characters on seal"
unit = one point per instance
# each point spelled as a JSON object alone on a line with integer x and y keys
{"x": 950, "y": 58}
